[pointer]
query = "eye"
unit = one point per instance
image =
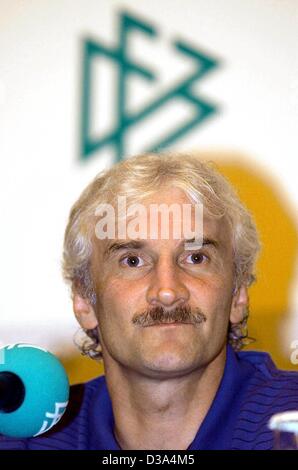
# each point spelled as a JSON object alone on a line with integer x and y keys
{"x": 197, "y": 258}
{"x": 132, "y": 261}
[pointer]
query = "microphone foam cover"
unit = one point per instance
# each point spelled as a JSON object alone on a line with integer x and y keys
{"x": 46, "y": 390}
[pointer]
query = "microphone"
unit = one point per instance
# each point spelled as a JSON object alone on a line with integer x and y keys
{"x": 34, "y": 390}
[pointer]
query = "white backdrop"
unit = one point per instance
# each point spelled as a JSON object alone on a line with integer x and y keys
{"x": 256, "y": 87}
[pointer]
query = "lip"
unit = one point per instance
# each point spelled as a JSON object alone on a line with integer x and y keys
{"x": 169, "y": 324}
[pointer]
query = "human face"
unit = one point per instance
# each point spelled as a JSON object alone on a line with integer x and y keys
{"x": 129, "y": 280}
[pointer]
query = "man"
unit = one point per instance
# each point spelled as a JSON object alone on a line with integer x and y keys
{"x": 167, "y": 314}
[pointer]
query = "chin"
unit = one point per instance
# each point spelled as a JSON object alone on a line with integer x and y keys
{"x": 169, "y": 363}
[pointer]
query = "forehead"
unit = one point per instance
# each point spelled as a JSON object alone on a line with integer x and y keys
{"x": 212, "y": 228}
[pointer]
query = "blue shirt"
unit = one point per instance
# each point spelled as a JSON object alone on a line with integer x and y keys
{"x": 252, "y": 389}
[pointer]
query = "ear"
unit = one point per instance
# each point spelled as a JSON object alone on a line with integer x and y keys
{"x": 239, "y": 305}
{"x": 84, "y": 312}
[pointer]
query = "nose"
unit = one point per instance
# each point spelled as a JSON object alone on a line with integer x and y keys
{"x": 167, "y": 288}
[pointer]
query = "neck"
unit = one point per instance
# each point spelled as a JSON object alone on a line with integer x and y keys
{"x": 151, "y": 413}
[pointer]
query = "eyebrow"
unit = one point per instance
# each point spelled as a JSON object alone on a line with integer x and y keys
{"x": 138, "y": 244}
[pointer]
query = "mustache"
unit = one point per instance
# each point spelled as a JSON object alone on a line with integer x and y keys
{"x": 158, "y": 315}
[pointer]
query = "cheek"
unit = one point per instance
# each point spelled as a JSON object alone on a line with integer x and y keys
{"x": 118, "y": 302}
{"x": 214, "y": 297}
{"x": 215, "y": 303}
{"x": 221, "y": 308}
{"x": 118, "y": 292}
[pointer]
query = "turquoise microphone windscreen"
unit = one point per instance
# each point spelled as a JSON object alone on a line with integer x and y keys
{"x": 34, "y": 390}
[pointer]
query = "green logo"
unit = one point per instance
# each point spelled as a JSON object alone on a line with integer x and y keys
{"x": 126, "y": 68}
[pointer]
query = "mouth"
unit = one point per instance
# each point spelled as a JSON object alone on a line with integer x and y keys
{"x": 169, "y": 324}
